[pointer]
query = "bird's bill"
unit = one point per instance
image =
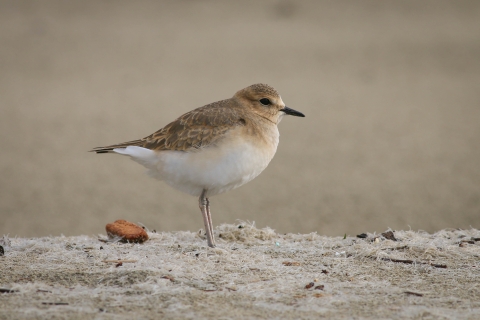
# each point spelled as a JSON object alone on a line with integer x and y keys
{"x": 292, "y": 112}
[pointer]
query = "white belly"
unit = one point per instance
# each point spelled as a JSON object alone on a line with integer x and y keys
{"x": 215, "y": 168}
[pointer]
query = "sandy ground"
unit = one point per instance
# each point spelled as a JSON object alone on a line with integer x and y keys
{"x": 390, "y": 90}
{"x": 254, "y": 273}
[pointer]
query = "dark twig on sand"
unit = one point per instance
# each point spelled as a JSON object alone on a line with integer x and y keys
{"x": 120, "y": 261}
{"x": 414, "y": 293}
{"x": 444, "y": 266}
{"x": 5, "y": 290}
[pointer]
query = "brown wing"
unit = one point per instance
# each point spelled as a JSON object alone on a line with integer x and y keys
{"x": 196, "y": 129}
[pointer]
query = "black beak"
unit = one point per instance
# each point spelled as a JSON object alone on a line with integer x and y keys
{"x": 292, "y": 112}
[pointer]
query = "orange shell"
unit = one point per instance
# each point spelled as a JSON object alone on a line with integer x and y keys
{"x": 128, "y": 231}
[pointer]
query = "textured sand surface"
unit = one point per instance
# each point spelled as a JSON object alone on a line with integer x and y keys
{"x": 390, "y": 90}
{"x": 254, "y": 273}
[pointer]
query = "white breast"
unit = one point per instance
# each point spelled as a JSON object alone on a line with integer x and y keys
{"x": 217, "y": 168}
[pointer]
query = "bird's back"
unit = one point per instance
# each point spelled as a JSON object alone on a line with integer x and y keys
{"x": 196, "y": 129}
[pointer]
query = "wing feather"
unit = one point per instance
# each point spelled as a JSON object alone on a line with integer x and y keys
{"x": 196, "y": 129}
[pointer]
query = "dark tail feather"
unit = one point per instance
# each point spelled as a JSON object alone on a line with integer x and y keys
{"x": 109, "y": 149}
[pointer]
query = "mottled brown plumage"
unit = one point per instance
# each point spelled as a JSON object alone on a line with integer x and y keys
{"x": 195, "y": 129}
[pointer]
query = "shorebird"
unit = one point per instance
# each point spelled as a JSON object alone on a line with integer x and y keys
{"x": 214, "y": 148}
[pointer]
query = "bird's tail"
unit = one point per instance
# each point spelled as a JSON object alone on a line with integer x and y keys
{"x": 109, "y": 149}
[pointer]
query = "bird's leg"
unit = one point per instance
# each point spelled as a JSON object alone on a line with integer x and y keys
{"x": 209, "y": 216}
{"x": 203, "y": 204}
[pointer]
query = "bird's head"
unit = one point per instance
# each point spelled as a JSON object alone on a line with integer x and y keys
{"x": 265, "y": 101}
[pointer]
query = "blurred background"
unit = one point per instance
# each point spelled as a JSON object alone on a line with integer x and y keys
{"x": 390, "y": 89}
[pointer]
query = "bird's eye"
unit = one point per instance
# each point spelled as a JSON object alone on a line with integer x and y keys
{"x": 265, "y": 101}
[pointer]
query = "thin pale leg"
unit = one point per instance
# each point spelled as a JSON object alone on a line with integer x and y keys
{"x": 210, "y": 223}
{"x": 203, "y": 204}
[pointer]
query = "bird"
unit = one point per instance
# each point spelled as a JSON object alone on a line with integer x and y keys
{"x": 214, "y": 148}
